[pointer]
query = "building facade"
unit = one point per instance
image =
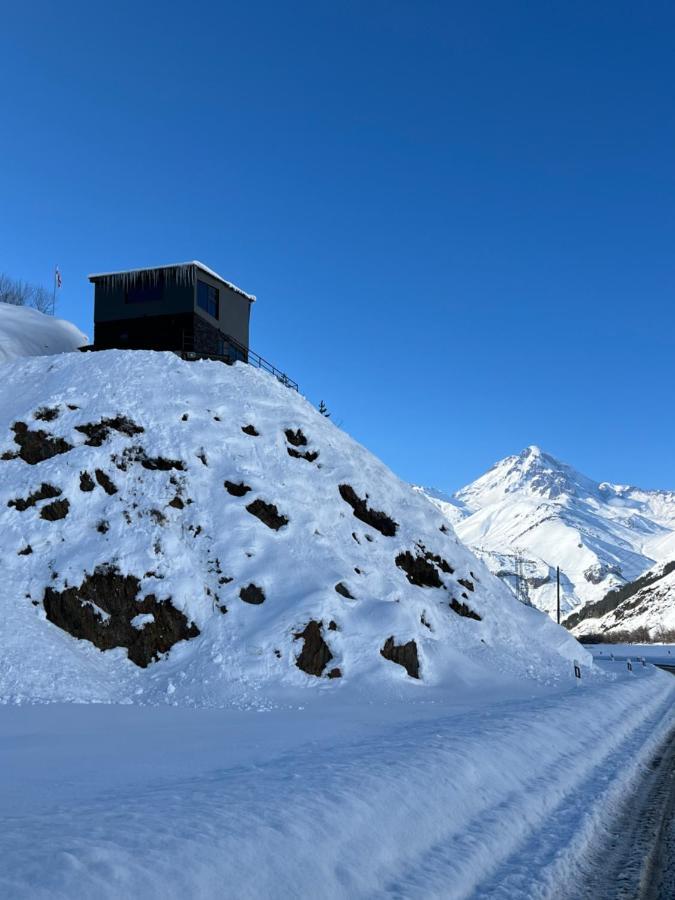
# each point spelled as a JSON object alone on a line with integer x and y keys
{"x": 185, "y": 307}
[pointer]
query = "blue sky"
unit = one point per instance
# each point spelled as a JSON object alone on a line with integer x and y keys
{"x": 458, "y": 217}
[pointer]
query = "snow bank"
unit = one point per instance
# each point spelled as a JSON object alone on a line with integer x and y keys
{"x": 265, "y": 549}
{"x": 500, "y": 799}
{"x": 27, "y": 332}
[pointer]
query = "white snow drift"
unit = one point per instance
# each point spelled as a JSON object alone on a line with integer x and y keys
{"x": 27, "y": 332}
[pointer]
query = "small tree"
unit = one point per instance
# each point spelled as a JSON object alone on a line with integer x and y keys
{"x": 21, "y": 293}
{"x": 323, "y": 409}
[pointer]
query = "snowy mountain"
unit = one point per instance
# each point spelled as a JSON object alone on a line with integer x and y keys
{"x": 641, "y": 611}
{"x": 27, "y": 332}
{"x": 199, "y": 533}
{"x": 534, "y": 512}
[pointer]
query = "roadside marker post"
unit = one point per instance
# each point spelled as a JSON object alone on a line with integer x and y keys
{"x": 577, "y": 669}
{"x": 629, "y": 665}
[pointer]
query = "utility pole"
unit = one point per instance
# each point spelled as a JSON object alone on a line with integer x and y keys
{"x": 557, "y": 578}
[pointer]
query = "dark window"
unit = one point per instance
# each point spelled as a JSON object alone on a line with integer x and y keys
{"x": 144, "y": 292}
{"x": 207, "y": 299}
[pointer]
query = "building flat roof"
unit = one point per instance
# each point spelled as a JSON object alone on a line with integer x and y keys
{"x": 193, "y": 262}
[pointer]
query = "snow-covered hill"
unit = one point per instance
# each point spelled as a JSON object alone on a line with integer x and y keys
{"x": 27, "y": 332}
{"x": 533, "y": 506}
{"x": 152, "y": 506}
{"x": 641, "y": 611}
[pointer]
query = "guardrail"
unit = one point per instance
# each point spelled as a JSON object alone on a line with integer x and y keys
{"x": 236, "y": 353}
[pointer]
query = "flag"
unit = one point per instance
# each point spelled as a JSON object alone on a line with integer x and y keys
{"x": 58, "y": 277}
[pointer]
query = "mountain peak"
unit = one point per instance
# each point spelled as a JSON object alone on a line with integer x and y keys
{"x": 533, "y": 472}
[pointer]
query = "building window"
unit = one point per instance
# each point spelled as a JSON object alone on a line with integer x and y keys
{"x": 144, "y": 292}
{"x": 207, "y": 299}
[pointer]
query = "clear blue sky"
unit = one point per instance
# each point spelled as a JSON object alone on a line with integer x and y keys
{"x": 459, "y": 218}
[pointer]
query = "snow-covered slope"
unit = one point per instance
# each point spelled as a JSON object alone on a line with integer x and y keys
{"x": 531, "y": 505}
{"x": 149, "y": 504}
{"x": 643, "y": 610}
{"x": 27, "y": 332}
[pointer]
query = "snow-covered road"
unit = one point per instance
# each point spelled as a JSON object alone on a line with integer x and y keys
{"x": 498, "y": 799}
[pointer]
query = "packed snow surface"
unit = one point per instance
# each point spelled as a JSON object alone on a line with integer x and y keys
{"x": 27, "y": 332}
{"x": 267, "y": 552}
{"x": 487, "y": 794}
{"x": 535, "y": 507}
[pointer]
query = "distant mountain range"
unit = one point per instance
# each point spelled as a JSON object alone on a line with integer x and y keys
{"x": 530, "y": 513}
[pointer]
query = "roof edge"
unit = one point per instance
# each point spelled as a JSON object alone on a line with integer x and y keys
{"x": 193, "y": 262}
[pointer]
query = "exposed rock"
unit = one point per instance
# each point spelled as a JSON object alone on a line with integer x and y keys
{"x": 309, "y": 455}
{"x": 101, "y": 611}
{"x": 378, "y": 520}
{"x": 237, "y": 489}
{"x": 54, "y": 511}
{"x": 27, "y": 550}
{"x": 268, "y": 514}
{"x": 403, "y": 654}
{"x": 162, "y": 464}
{"x": 97, "y": 432}
{"x": 466, "y": 583}
{"x": 86, "y": 482}
{"x": 103, "y": 527}
{"x": 442, "y": 564}
{"x": 47, "y": 413}
{"x": 177, "y": 503}
{"x": 44, "y": 492}
{"x": 36, "y": 446}
{"x": 251, "y": 430}
{"x": 463, "y": 610}
{"x": 335, "y": 673}
{"x": 252, "y": 594}
{"x": 315, "y": 654}
{"x": 419, "y": 570}
{"x": 343, "y": 590}
{"x": 297, "y": 438}
{"x": 105, "y": 482}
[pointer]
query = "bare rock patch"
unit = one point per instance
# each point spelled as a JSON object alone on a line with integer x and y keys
{"x": 106, "y": 482}
{"x": 46, "y": 413}
{"x": 315, "y": 654}
{"x": 44, "y": 492}
{"x": 378, "y": 520}
{"x": 463, "y": 610}
{"x": 236, "y": 489}
{"x": 419, "y": 570}
{"x": 268, "y": 514}
{"x": 52, "y": 512}
{"x": 97, "y": 432}
{"x": 86, "y": 482}
{"x": 403, "y": 655}
{"x": 101, "y": 611}
{"x": 250, "y": 430}
{"x": 252, "y": 594}
{"x": 36, "y": 446}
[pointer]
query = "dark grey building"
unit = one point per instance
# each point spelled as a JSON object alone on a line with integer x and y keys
{"x": 184, "y": 307}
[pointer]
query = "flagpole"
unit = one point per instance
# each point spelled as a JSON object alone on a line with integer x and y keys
{"x": 56, "y": 269}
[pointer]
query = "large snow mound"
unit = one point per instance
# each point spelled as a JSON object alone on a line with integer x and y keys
{"x": 200, "y": 534}
{"x": 27, "y": 332}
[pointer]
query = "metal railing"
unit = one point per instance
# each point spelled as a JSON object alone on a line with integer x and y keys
{"x": 235, "y": 352}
